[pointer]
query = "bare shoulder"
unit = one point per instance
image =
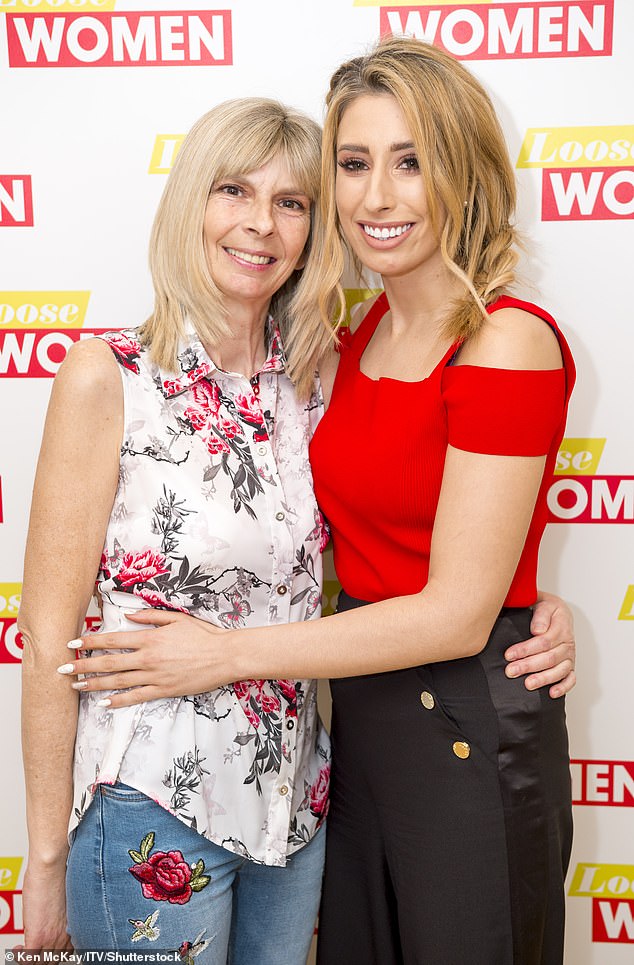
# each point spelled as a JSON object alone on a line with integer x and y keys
{"x": 360, "y": 310}
{"x": 89, "y": 375}
{"x": 512, "y": 338}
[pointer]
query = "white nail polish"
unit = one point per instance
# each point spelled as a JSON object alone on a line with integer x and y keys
{"x": 75, "y": 644}
{"x": 104, "y": 702}
{"x": 80, "y": 685}
{"x": 66, "y": 668}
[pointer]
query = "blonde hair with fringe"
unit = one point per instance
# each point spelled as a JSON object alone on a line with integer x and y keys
{"x": 233, "y": 139}
{"x": 463, "y": 160}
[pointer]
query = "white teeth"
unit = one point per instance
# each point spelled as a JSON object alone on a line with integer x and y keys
{"x": 383, "y": 233}
{"x": 253, "y": 259}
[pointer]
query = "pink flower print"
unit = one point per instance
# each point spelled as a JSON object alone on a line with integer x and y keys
{"x": 158, "y": 600}
{"x": 229, "y": 428}
{"x": 249, "y": 408}
{"x": 171, "y": 387}
{"x": 318, "y": 801}
{"x": 288, "y": 689}
{"x": 269, "y": 703}
{"x": 242, "y": 690}
{"x": 141, "y": 567}
{"x": 206, "y": 404}
{"x": 216, "y": 445}
{"x": 127, "y": 349}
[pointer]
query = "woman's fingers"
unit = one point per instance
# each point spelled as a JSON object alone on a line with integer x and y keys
{"x": 157, "y": 618}
{"x": 104, "y": 664}
{"x": 112, "y": 681}
{"x": 122, "y": 640}
{"x": 128, "y": 698}
{"x": 543, "y": 667}
{"x": 545, "y": 646}
{"x": 558, "y": 687}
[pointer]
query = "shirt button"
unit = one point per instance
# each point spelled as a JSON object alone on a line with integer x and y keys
{"x": 461, "y": 749}
{"x": 281, "y": 590}
{"x": 283, "y": 790}
{"x": 262, "y": 450}
{"x": 427, "y": 700}
{"x": 279, "y": 516}
{"x": 290, "y": 724}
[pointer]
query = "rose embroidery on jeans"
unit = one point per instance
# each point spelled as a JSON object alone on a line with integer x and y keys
{"x": 165, "y": 875}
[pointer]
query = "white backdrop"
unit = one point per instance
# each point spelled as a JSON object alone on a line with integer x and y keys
{"x": 91, "y": 110}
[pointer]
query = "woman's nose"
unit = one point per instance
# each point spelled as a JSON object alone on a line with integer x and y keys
{"x": 378, "y": 195}
{"x": 260, "y": 218}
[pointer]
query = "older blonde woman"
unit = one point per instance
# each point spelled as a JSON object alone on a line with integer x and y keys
{"x": 174, "y": 470}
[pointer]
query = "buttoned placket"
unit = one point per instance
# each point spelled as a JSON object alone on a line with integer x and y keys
{"x": 280, "y": 596}
{"x": 264, "y": 388}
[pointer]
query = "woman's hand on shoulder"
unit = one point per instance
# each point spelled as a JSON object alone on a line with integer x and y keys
{"x": 512, "y": 339}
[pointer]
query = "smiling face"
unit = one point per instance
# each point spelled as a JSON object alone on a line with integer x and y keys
{"x": 381, "y": 199}
{"x": 255, "y": 231}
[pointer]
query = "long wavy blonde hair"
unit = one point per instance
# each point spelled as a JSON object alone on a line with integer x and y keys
{"x": 465, "y": 165}
{"x": 232, "y": 139}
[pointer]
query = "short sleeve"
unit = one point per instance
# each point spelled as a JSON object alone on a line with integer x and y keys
{"x": 504, "y": 412}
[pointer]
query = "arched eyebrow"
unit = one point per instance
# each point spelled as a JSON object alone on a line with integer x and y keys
{"x": 364, "y": 149}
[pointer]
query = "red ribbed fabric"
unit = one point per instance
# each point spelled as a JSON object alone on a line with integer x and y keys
{"x": 378, "y": 456}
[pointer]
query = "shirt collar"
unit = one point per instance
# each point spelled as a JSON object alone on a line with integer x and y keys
{"x": 193, "y": 363}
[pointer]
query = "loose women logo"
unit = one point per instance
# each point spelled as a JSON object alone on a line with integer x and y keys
{"x": 140, "y": 39}
{"x": 16, "y": 201}
{"x": 588, "y": 172}
{"x": 606, "y": 783}
{"x": 495, "y": 31}
{"x": 611, "y": 887}
{"x": 45, "y": 6}
{"x": 37, "y": 354}
{"x": 43, "y": 309}
{"x": 11, "y": 920}
{"x": 577, "y": 495}
{"x": 166, "y": 147}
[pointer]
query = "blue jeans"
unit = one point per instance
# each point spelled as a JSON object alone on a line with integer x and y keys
{"x": 140, "y": 879}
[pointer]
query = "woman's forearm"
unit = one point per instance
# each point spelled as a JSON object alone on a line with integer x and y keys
{"x": 49, "y": 718}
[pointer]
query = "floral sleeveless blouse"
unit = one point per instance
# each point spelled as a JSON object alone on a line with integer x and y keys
{"x": 214, "y": 515}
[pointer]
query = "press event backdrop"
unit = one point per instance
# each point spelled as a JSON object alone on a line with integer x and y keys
{"x": 96, "y": 96}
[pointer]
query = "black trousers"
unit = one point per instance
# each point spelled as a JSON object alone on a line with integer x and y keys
{"x": 450, "y": 825}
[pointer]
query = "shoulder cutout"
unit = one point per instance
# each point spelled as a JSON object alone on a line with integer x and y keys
{"x": 512, "y": 338}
